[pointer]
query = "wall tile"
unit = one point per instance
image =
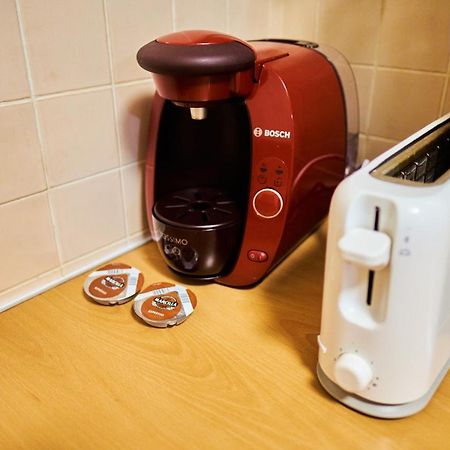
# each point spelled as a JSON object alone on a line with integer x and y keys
{"x": 88, "y": 214}
{"x": 14, "y": 83}
{"x": 404, "y": 102}
{"x": 26, "y": 240}
{"x": 446, "y": 105}
{"x": 133, "y": 105}
{"x": 249, "y": 19}
{"x": 133, "y": 24}
{"x": 351, "y": 27}
{"x": 21, "y": 170}
{"x": 209, "y": 15}
{"x": 133, "y": 177}
{"x": 95, "y": 258}
{"x": 415, "y": 34}
{"x": 362, "y": 144}
{"x": 364, "y": 78}
{"x": 84, "y": 142}
{"x": 294, "y": 19}
{"x": 375, "y": 146}
{"x": 28, "y": 289}
{"x": 66, "y": 43}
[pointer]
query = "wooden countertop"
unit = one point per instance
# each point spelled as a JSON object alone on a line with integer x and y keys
{"x": 238, "y": 374}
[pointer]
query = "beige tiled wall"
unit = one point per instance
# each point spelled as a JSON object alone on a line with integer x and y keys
{"x": 74, "y": 108}
{"x": 399, "y": 52}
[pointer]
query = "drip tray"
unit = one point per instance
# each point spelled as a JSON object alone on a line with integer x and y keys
{"x": 203, "y": 207}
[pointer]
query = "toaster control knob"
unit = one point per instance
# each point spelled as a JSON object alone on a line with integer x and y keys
{"x": 352, "y": 373}
{"x": 267, "y": 203}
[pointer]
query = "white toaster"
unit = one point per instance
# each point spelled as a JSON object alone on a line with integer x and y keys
{"x": 384, "y": 343}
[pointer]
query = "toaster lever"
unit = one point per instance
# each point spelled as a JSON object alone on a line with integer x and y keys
{"x": 367, "y": 248}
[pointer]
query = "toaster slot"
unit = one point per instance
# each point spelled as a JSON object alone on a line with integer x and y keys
{"x": 372, "y": 272}
{"x": 425, "y": 161}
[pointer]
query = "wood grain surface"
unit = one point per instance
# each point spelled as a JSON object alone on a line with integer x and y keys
{"x": 238, "y": 374}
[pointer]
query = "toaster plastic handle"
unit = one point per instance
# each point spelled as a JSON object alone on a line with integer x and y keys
{"x": 367, "y": 248}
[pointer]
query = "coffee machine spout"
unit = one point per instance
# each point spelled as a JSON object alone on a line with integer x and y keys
{"x": 198, "y": 113}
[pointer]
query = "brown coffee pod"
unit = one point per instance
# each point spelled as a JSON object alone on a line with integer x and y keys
{"x": 164, "y": 304}
{"x": 113, "y": 284}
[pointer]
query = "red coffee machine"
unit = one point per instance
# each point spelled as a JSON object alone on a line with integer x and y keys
{"x": 248, "y": 141}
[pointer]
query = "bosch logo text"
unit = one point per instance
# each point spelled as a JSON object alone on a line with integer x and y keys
{"x": 272, "y": 133}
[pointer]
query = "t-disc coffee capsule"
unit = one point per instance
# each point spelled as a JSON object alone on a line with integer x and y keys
{"x": 113, "y": 284}
{"x": 164, "y": 304}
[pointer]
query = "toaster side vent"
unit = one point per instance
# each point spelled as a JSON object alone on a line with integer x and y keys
{"x": 425, "y": 161}
{"x": 372, "y": 272}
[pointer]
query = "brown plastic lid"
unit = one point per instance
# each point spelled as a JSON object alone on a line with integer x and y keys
{"x": 115, "y": 283}
{"x": 196, "y": 52}
{"x": 198, "y": 37}
{"x": 164, "y": 304}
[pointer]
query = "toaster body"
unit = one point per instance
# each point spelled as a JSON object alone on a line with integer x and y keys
{"x": 384, "y": 344}
{"x": 229, "y": 196}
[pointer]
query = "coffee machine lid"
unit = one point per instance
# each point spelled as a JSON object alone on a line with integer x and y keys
{"x": 196, "y": 53}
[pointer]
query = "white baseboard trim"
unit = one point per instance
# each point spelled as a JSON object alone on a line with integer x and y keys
{"x": 25, "y": 291}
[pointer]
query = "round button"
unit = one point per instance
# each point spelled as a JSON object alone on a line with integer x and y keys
{"x": 267, "y": 203}
{"x": 352, "y": 372}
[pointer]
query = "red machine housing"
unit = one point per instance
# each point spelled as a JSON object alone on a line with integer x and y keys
{"x": 296, "y": 147}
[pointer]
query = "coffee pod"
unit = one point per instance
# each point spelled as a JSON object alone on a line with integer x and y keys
{"x": 113, "y": 284}
{"x": 165, "y": 304}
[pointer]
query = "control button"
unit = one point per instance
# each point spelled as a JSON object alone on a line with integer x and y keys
{"x": 257, "y": 255}
{"x": 267, "y": 203}
{"x": 262, "y": 179}
{"x": 367, "y": 248}
{"x": 278, "y": 182}
{"x": 352, "y": 373}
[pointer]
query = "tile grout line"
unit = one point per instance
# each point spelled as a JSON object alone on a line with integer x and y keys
{"x": 316, "y": 20}
{"x": 269, "y": 18}
{"x": 39, "y": 132}
{"x": 99, "y": 88}
{"x": 18, "y": 101}
{"x": 444, "y": 92}
{"x": 371, "y": 101}
{"x": 76, "y": 181}
{"x": 174, "y": 16}
{"x": 434, "y": 73}
{"x": 400, "y": 69}
{"x": 69, "y": 92}
{"x": 382, "y": 138}
{"x": 116, "y": 120}
{"x": 134, "y": 82}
